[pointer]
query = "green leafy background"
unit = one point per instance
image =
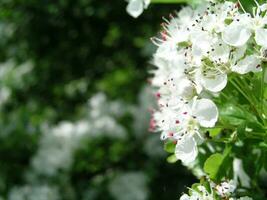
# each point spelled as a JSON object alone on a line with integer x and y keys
{"x": 72, "y": 50}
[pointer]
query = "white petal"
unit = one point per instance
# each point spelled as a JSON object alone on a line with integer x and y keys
{"x": 186, "y": 150}
{"x": 185, "y": 88}
{"x": 240, "y": 174}
{"x": 236, "y": 34}
{"x": 185, "y": 15}
{"x": 215, "y": 84}
{"x": 201, "y": 43}
{"x": 198, "y": 85}
{"x": 206, "y": 112}
{"x": 238, "y": 53}
{"x": 245, "y": 198}
{"x": 248, "y": 64}
{"x": 185, "y": 197}
{"x": 146, "y": 3}
{"x": 221, "y": 52}
{"x": 135, "y": 8}
{"x": 261, "y": 37}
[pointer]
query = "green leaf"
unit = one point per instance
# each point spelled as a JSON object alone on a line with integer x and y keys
{"x": 263, "y": 145}
{"x": 217, "y": 163}
{"x": 172, "y": 159}
{"x": 228, "y": 21}
{"x": 241, "y": 129}
{"x": 212, "y": 165}
{"x": 256, "y": 127}
{"x": 169, "y": 147}
{"x": 184, "y": 44}
{"x": 235, "y": 115}
{"x": 214, "y": 131}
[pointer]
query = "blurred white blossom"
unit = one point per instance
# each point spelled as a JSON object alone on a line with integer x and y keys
{"x": 56, "y": 148}
{"x": 58, "y": 143}
{"x": 13, "y": 76}
{"x": 130, "y": 186}
{"x": 240, "y": 174}
{"x": 35, "y": 192}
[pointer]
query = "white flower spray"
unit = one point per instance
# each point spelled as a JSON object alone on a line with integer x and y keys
{"x": 197, "y": 50}
{"x": 212, "y": 191}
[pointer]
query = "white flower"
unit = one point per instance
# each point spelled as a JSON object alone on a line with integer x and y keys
{"x": 258, "y": 23}
{"x": 206, "y": 112}
{"x": 185, "y": 88}
{"x": 185, "y": 197}
{"x": 201, "y": 44}
{"x": 200, "y": 194}
{"x": 226, "y": 188}
{"x": 165, "y": 59}
{"x": 248, "y": 64}
{"x": 186, "y": 150}
{"x": 236, "y": 34}
{"x": 244, "y": 25}
{"x": 201, "y": 112}
{"x": 181, "y": 121}
{"x": 136, "y": 7}
{"x": 197, "y": 51}
{"x": 188, "y": 117}
{"x": 177, "y": 86}
{"x": 261, "y": 37}
{"x": 213, "y": 81}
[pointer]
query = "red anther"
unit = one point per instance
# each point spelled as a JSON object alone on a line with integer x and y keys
{"x": 237, "y": 5}
{"x": 258, "y": 66}
{"x": 158, "y": 95}
{"x": 152, "y": 125}
{"x": 185, "y": 113}
{"x": 164, "y": 35}
{"x": 174, "y": 142}
{"x": 171, "y": 134}
{"x": 177, "y": 122}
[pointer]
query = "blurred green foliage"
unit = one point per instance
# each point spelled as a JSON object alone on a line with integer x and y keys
{"x": 76, "y": 48}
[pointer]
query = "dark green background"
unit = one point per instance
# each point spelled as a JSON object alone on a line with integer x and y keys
{"x": 93, "y": 43}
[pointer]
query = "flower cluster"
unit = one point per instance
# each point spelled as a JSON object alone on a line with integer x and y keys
{"x": 197, "y": 50}
{"x": 212, "y": 191}
{"x": 58, "y": 143}
{"x": 34, "y": 192}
